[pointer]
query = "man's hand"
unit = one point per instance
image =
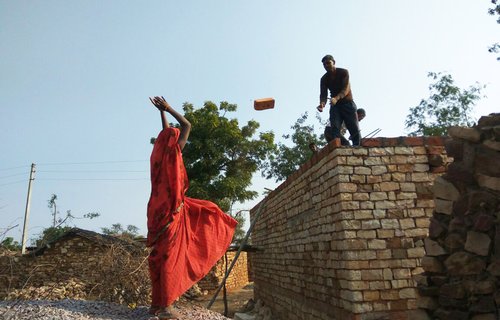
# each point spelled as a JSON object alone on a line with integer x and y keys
{"x": 321, "y": 107}
{"x": 160, "y": 103}
{"x": 333, "y": 101}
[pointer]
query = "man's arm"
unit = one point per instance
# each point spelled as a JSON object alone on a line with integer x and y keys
{"x": 323, "y": 95}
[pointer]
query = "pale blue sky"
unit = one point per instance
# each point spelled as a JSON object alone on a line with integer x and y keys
{"x": 75, "y": 77}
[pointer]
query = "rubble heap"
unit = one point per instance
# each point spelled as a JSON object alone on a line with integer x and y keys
{"x": 462, "y": 262}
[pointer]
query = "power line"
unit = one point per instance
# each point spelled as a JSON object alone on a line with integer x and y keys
{"x": 5, "y": 169}
{"x": 90, "y": 179}
{"x": 92, "y": 171}
{"x": 13, "y": 175}
{"x": 90, "y": 162}
{"x": 14, "y": 182}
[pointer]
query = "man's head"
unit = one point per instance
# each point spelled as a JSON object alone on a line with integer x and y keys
{"x": 361, "y": 114}
{"x": 328, "y": 63}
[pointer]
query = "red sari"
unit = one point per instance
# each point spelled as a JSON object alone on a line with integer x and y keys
{"x": 188, "y": 236}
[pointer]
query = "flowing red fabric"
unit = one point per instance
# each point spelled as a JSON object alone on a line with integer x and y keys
{"x": 188, "y": 236}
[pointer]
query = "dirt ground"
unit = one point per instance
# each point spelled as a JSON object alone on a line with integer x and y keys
{"x": 236, "y": 300}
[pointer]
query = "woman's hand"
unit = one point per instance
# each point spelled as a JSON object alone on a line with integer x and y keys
{"x": 160, "y": 103}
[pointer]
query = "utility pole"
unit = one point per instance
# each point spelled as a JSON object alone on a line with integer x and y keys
{"x": 27, "y": 211}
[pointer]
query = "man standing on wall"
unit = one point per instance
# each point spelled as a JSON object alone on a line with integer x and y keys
{"x": 342, "y": 106}
{"x": 343, "y": 141}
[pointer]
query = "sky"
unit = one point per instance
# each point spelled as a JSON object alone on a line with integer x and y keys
{"x": 75, "y": 77}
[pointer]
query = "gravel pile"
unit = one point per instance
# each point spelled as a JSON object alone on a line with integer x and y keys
{"x": 98, "y": 310}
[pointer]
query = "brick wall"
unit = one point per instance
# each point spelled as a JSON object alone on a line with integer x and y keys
{"x": 343, "y": 236}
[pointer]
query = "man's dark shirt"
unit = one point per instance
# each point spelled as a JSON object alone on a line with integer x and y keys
{"x": 338, "y": 84}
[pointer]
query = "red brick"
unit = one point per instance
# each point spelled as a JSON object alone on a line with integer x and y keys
{"x": 439, "y": 169}
{"x": 413, "y": 141}
{"x": 371, "y": 142}
{"x": 435, "y": 141}
{"x": 392, "y": 142}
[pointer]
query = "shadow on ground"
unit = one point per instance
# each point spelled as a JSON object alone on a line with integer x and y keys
{"x": 236, "y": 300}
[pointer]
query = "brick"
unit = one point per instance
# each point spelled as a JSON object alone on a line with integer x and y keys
{"x": 389, "y": 186}
{"x": 384, "y": 254}
{"x": 416, "y": 252}
{"x": 379, "y": 285}
{"x": 371, "y": 142}
{"x": 370, "y": 224}
{"x": 372, "y": 275}
{"x": 413, "y": 141}
{"x": 398, "y": 284}
{"x": 377, "y": 244}
{"x": 407, "y": 223}
{"x": 385, "y": 234}
{"x": 371, "y": 295}
{"x": 401, "y": 274}
{"x": 378, "y": 196}
{"x": 389, "y": 294}
{"x": 381, "y": 151}
{"x": 378, "y": 170}
{"x": 366, "y": 234}
{"x": 444, "y": 189}
{"x": 390, "y": 224}
{"x": 363, "y": 214}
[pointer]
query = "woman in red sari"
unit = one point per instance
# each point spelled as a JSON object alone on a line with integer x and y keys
{"x": 187, "y": 236}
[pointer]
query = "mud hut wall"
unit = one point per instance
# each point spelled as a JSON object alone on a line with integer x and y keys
{"x": 78, "y": 257}
{"x": 74, "y": 257}
{"x": 343, "y": 235}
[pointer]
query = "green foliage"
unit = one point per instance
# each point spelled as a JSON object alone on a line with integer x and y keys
{"x": 131, "y": 232}
{"x": 239, "y": 233}
{"x": 9, "y": 244}
{"x": 220, "y": 157}
{"x": 495, "y": 11}
{"x": 285, "y": 159}
{"x": 447, "y": 106}
{"x": 50, "y": 234}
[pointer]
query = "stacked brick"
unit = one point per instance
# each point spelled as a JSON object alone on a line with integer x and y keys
{"x": 462, "y": 262}
{"x": 238, "y": 277}
{"x": 343, "y": 236}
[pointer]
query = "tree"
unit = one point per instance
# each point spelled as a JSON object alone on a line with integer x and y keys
{"x": 495, "y": 48}
{"x": 10, "y": 244}
{"x": 285, "y": 159}
{"x": 131, "y": 231}
{"x": 53, "y": 205}
{"x": 447, "y": 106}
{"x": 59, "y": 225}
{"x": 239, "y": 233}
